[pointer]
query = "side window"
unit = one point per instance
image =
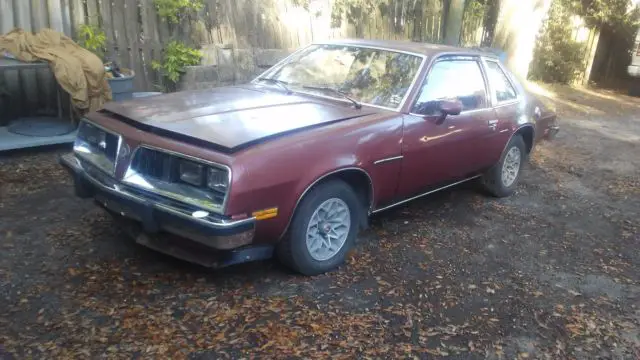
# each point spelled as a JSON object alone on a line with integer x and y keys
{"x": 452, "y": 79}
{"x": 500, "y": 83}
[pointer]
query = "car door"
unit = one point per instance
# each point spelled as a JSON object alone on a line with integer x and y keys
{"x": 439, "y": 150}
{"x": 507, "y": 106}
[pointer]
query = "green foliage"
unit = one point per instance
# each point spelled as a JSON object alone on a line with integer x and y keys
{"x": 355, "y": 10}
{"x": 474, "y": 14}
{"x": 92, "y": 38}
{"x": 474, "y": 9}
{"x": 301, "y": 3}
{"x": 174, "y": 10}
{"x": 598, "y": 13}
{"x": 557, "y": 57}
{"x": 176, "y": 57}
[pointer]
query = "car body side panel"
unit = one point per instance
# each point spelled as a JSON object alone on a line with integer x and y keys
{"x": 296, "y": 162}
{"x": 543, "y": 119}
{"x": 435, "y": 152}
{"x": 507, "y": 116}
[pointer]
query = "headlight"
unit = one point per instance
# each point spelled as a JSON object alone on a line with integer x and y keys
{"x": 217, "y": 179}
{"x": 191, "y": 173}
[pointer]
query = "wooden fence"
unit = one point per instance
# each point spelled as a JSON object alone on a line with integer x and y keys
{"x": 136, "y": 34}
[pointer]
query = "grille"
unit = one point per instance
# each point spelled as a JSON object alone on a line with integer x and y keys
{"x": 157, "y": 165}
{"x": 154, "y": 164}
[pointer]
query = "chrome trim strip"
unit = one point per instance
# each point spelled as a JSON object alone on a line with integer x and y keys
{"x": 382, "y": 161}
{"x": 507, "y": 103}
{"x": 467, "y": 112}
{"x": 286, "y": 228}
{"x": 74, "y": 163}
{"x": 424, "y": 194}
{"x": 155, "y": 186}
{"x": 402, "y": 102}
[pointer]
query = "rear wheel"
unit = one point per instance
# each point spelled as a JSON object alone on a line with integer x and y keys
{"x": 323, "y": 229}
{"x": 502, "y": 179}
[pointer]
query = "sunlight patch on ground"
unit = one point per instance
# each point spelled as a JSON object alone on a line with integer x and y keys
{"x": 609, "y": 95}
{"x": 603, "y": 129}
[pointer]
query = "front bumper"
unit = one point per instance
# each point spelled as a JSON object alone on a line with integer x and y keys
{"x": 150, "y": 219}
{"x": 551, "y": 132}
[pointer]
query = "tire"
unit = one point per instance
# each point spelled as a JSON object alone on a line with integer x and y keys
{"x": 493, "y": 180}
{"x": 293, "y": 250}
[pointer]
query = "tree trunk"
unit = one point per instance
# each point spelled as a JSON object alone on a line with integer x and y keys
{"x": 453, "y": 22}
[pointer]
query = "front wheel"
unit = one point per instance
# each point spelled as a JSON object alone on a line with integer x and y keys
{"x": 323, "y": 229}
{"x": 502, "y": 179}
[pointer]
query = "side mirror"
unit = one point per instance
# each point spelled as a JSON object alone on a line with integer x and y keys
{"x": 450, "y": 107}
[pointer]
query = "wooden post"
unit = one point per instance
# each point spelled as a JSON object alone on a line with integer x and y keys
{"x": 592, "y": 48}
{"x": 453, "y": 22}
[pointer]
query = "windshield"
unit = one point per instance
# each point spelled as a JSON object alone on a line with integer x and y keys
{"x": 370, "y": 76}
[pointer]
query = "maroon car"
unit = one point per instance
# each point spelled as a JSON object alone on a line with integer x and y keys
{"x": 294, "y": 162}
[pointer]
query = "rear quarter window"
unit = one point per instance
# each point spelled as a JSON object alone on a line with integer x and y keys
{"x": 501, "y": 86}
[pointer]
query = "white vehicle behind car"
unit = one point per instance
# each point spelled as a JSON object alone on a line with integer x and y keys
{"x": 634, "y": 68}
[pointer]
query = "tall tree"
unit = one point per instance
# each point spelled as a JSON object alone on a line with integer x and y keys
{"x": 453, "y": 22}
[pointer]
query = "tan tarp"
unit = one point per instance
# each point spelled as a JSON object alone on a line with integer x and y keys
{"x": 88, "y": 88}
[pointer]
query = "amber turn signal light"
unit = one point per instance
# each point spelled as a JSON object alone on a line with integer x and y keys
{"x": 265, "y": 214}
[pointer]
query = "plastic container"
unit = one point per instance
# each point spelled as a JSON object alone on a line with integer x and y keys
{"x": 122, "y": 87}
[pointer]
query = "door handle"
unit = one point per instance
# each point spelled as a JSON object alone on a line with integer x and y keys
{"x": 492, "y": 124}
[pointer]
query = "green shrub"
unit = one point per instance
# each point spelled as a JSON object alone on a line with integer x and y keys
{"x": 173, "y": 10}
{"x": 557, "y": 57}
{"x": 92, "y": 38}
{"x": 176, "y": 57}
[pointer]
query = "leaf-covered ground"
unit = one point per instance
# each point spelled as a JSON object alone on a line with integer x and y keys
{"x": 550, "y": 273}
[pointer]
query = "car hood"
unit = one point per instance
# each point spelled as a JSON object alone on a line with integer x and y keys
{"x": 229, "y": 117}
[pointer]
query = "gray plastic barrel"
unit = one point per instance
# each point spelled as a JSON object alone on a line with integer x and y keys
{"x": 122, "y": 87}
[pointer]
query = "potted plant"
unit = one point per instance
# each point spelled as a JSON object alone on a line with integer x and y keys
{"x": 120, "y": 80}
{"x": 176, "y": 58}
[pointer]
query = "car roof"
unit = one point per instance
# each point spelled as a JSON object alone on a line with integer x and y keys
{"x": 422, "y": 48}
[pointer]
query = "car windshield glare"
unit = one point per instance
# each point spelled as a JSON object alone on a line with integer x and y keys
{"x": 368, "y": 75}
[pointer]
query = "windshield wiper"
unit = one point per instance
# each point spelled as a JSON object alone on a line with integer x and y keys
{"x": 356, "y": 104}
{"x": 283, "y": 84}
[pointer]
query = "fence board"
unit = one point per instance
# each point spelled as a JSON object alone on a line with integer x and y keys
{"x": 40, "y": 16}
{"x": 107, "y": 26}
{"x": 151, "y": 48}
{"x": 132, "y": 29}
{"x": 93, "y": 12}
{"x": 55, "y": 15}
{"x": 77, "y": 15}
{"x": 119, "y": 33}
{"x": 66, "y": 17}
{"x": 28, "y": 79}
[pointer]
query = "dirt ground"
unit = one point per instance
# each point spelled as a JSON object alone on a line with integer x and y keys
{"x": 550, "y": 273}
